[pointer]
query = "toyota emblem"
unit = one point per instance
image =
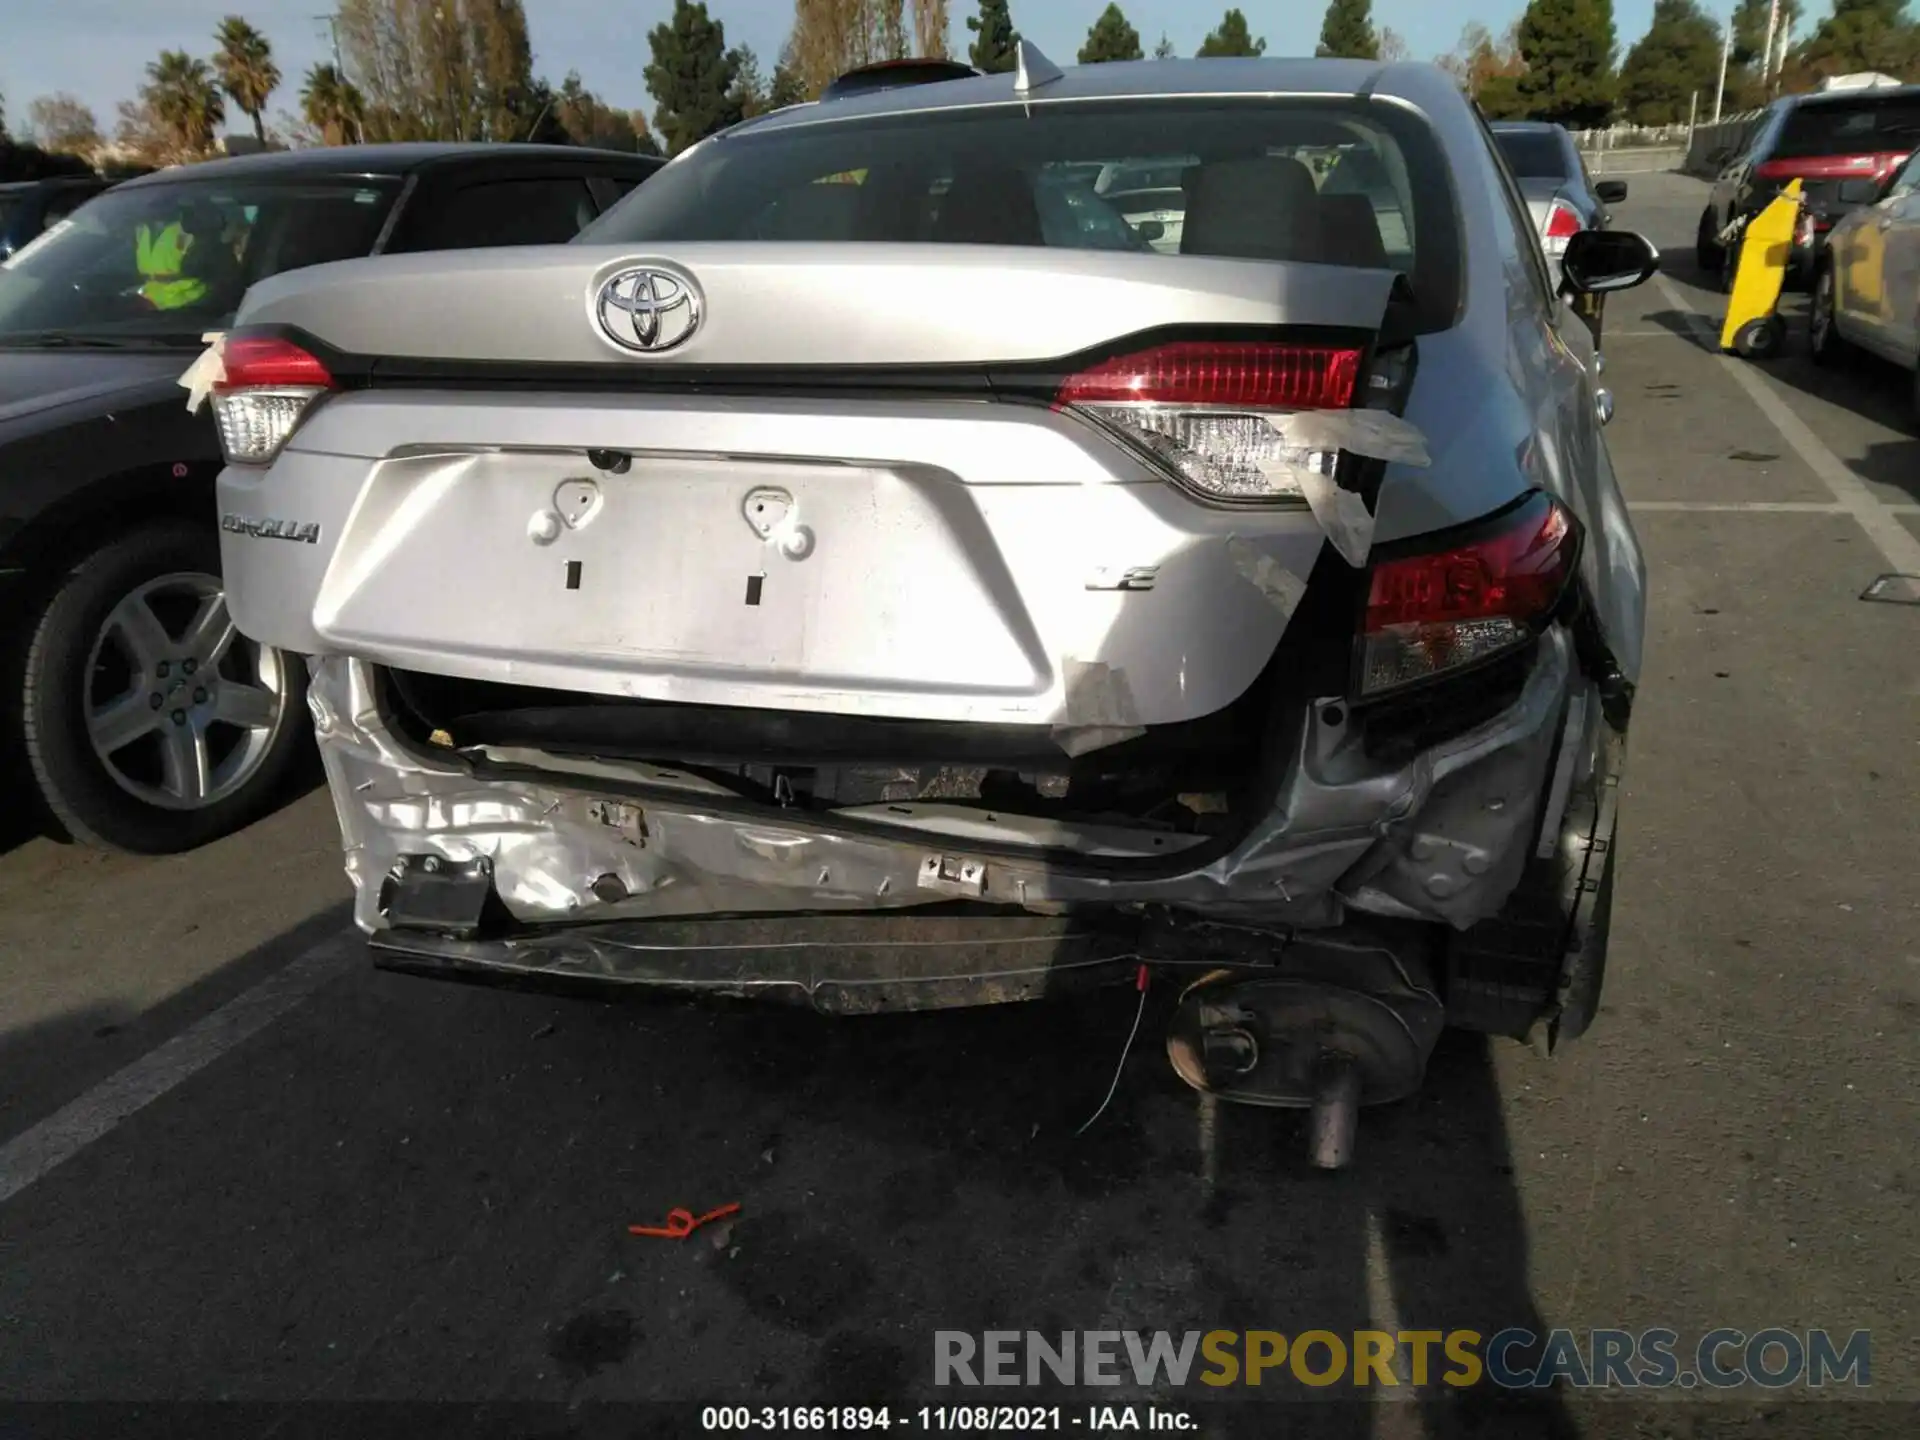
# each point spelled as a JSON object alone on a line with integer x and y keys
{"x": 647, "y": 310}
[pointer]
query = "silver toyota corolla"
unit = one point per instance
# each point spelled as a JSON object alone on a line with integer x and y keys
{"x": 831, "y": 578}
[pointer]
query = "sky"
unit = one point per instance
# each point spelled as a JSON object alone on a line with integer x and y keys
{"x": 98, "y": 49}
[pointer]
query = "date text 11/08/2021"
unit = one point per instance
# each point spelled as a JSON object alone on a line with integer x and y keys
{"x": 977, "y": 1419}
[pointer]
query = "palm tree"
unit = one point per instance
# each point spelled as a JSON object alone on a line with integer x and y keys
{"x": 332, "y": 105}
{"x": 182, "y": 93}
{"x": 245, "y": 66}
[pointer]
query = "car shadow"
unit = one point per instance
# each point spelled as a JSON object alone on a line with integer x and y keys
{"x": 1863, "y": 384}
{"x": 24, "y": 816}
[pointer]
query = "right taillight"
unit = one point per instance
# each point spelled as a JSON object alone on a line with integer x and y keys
{"x": 1213, "y": 411}
{"x": 1433, "y": 613}
{"x": 267, "y": 388}
{"x": 1562, "y": 225}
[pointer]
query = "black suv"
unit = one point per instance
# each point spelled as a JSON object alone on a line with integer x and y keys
{"x": 28, "y": 208}
{"x": 146, "y": 722}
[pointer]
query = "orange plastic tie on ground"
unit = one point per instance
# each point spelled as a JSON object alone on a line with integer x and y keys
{"x": 682, "y": 1223}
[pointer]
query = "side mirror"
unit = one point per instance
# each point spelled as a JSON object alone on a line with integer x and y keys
{"x": 1859, "y": 192}
{"x": 1150, "y": 230}
{"x": 1610, "y": 192}
{"x": 1598, "y": 261}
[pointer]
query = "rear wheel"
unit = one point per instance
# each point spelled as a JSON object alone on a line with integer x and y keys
{"x": 1707, "y": 251}
{"x": 1824, "y": 340}
{"x": 151, "y": 724}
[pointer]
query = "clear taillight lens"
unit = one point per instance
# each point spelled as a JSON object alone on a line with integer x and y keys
{"x": 1438, "y": 612}
{"x": 268, "y": 387}
{"x": 1213, "y": 412}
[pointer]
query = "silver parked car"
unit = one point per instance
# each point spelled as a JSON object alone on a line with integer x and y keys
{"x": 1562, "y": 197}
{"x": 1866, "y": 277}
{"x": 825, "y": 580}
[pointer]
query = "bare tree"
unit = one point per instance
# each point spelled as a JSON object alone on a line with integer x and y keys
{"x": 443, "y": 69}
{"x": 62, "y": 123}
{"x": 930, "y": 28}
{"x": 1393, "y": 45}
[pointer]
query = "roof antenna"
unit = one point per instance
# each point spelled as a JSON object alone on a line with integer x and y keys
{"x": 1031, "y": 69}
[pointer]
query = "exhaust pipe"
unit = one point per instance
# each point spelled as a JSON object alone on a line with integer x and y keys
{"x": 1338, "y": 1023}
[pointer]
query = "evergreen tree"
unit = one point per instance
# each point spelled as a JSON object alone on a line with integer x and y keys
{"x": 1231, "y": 40}
{"x": 993, "y": 51}
{"x": 1347, "y": 31}
{"x": 692, "y": 76}
{"x": 1862, "y": 35}
{"x": 1676, "y": 59}
{"x": 1111, "y": 38}
{"x": 1568, "y": 46}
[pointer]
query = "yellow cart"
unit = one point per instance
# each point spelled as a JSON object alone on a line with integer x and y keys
{"x": 1753, "y": 328}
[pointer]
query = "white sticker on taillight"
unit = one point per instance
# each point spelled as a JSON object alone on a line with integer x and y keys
{"x": 264, "y": 388}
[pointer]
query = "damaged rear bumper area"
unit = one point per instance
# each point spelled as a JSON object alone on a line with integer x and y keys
{"x": 511, "y": 865}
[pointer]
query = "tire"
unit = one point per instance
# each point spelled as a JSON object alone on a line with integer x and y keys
{"x": 1825, "y": 343}
{"x": 1707, "y": 251}
{"x": 1760, "y": 339}
{"x": 163, "y": 756}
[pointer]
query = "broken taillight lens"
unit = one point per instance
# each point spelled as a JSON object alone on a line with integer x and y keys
{"x": 1562, "y": 225}
{"x": 268, "y": 387}
{"x": 1438, "y": 612}
{"x": 1207, "y": 410}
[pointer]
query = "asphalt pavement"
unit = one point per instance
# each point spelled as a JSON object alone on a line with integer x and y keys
{"x": 237, "y": 1165}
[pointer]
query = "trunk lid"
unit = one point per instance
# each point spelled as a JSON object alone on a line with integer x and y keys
{"x": 784, "y": 305}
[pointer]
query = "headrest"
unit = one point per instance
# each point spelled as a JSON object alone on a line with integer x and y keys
{"x": 989, "y": 205}
{"x": 1258, "y": 209}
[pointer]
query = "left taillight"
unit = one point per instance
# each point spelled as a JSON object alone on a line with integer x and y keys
{"x": 267, "y": 389}
{"x": 1434, "y": 613}
{"x": 1206, "y": 410}
{"x": 1562, "y": 225}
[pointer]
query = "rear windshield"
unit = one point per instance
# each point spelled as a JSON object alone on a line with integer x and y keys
{"x": 1533, "y": 154}
{"x": 1336, "y": 182}
{"x": 167, "y": 262}
{"x": 1861, "y": 126}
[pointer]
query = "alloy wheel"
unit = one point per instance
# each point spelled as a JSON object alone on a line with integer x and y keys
{"x": 181, "y": 708}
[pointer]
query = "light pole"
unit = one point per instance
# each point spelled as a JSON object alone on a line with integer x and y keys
{"x": 1726, "y": 49}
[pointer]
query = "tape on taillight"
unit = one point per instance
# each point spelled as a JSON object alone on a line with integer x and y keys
{"x": 1442, "y": 611}
{"x": 262, "y": 388}
{"x": 1245, "y": 421}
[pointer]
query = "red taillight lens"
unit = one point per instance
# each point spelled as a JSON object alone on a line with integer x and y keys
{"x": 253, "y": 360}
{"x": 1428, "y": 614}
{"x": 267, "y": 388}
{"x": 1562, "y": 226}
{"x": 1213, "y": 412}
{"x": 1249, "y": 374}
{"x": 1775, "y": 170}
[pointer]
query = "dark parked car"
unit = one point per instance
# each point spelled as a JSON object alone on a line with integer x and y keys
{"x": 147, "y": 723}
{"x": 29, "y": 208}
{"x": 1824, "y": 141}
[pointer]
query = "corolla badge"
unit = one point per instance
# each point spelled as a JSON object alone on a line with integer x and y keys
{"x": 647, "y": 310}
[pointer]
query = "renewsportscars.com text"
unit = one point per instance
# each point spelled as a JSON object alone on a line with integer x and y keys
{"x": 1513, "y": 1359}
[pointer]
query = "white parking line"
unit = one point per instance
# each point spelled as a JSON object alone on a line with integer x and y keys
{"x": 1769, "y": 507}
{"x": 34, "y": 1153}
{"x": 1892, "y": 539}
